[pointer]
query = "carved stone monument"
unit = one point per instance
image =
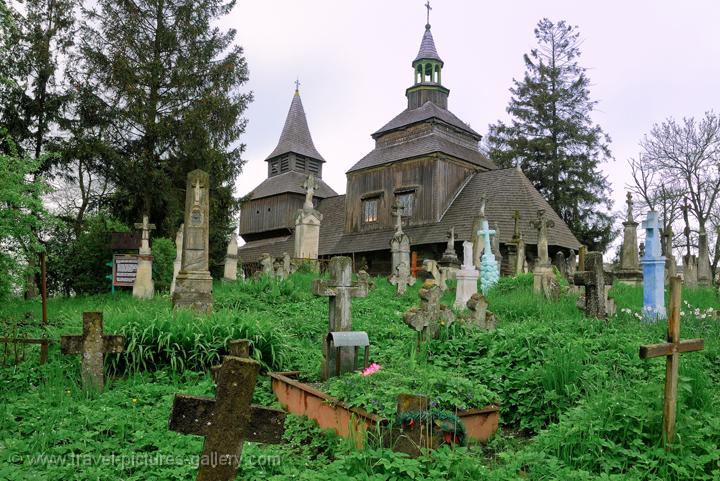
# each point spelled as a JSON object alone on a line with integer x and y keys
{"x": 431, "y": 315}
{"x": 450, "y": 258}
{"x": 704, "y": 272}
{"x": 480, "y": 316}
{"x": 595, "y": 280}
{"x": 476, "y": 239}
{"x": 542, "y": 270}
{"x": 667, "y": 251}
{"x": 516, "y": 248}
{"x": 399, "y": 250}
{"x": 177, "y": 264}
{"x": 488, "y": 266}
{"x": 467, "y": 277}
{"x": 231, "y": 259}
{"x": 629, "y": 270}
{"x": 193, "y": 286}
{"x": 307, "y": 223}
{"x": 653, "y": 265}
{"x": 143, "y": 287}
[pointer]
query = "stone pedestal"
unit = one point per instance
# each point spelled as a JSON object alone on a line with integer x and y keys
{"x": 629, "y": 271}
{"x": 307, "y": 233}
{"x": 144, "y": 287}
{"x": 177, "y": 264}
{"x": 653, "y": 266}
{"x": 467, "y": 285}
{"x": 231, "y": 260}
{"x": 704, "y": 272}
{"x": 541, "y": 274}
{"x": 399, "y": 250}
{"x": 690, "y": 270}
{"x": 193, "y": 286}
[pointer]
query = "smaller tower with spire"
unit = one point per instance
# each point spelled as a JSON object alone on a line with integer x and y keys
{"x": 427, "y": 68}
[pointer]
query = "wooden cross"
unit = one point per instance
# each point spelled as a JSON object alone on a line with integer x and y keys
{"x": 93, "y": 344}
{"x": 594, "y": 279}
{"x": 228, "y": 420}
{"x": 671, "y": 350}
{"x": 340, "y": 289}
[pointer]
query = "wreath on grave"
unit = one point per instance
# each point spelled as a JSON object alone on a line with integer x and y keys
{"x": 452, "y": 428}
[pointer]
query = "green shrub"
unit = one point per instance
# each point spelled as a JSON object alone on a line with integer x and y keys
{"x": 163, "y": 251}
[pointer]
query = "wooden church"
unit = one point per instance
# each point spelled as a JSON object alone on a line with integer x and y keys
{"x": 425, "y": 159}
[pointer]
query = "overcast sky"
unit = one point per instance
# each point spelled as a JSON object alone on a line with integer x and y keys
{"x": 647, "y": 60}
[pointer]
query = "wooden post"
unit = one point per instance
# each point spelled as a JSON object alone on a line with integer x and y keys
{"x": 672, "y": 350}
{"x": 413, "y": 264}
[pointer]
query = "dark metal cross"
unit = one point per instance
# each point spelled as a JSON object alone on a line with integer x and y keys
{"x": 427, "y": 5}
{"x": 93, "y": 345}
{"x": 228, "y": 420}
{"x": 671, "y": 350}
{"x": 297, "y": 84}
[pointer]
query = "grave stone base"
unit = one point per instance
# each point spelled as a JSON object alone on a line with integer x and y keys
{"x": 144, "y": 288}
{"x": 629, "y": 277}
{"x": 467, "y": 285}
{"x": 193, "y": 291}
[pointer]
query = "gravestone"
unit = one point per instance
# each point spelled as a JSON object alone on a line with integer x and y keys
{"x": 450, "y": 258}
{"x": 231, "y": 259}
{"x": 228, "y": 420}
{"x": 704, "y": 272}
{"x": 467, "y": 277}
{"x": 478, "y": 240}
{"x": 287, "y": 263}
{"x": 561, "y": 263}
{"x": 667, "y": 252}
{"x": 93, "y": 345}
{"x": 340, "y": 289}
{"x": 690, "y": 270}
{"x": 480, "y": 316}
{"x": 143, "y": 287}
{"x": 496, "y": 248}
{"x": 236, "y": 348}
{"x": 402, "y": 278}
{"x": 488, "y": 266}
{"x": 542, "y": 270}
{"x": 516, "y": 248}
{"x": 571, "y": 266}
{"x": 594, "y": 278}
{"x": 267, "y": 263}
{"x": 193, "y": 287}
{"x": 177, "y": 264}
{"x": 581, "y": 257}
{"x": 629, "y": 271}
{"x": 400, "y": 242}
{"x": 438, "y": 275}
{"x": 653, "y": 265}
{"x": 427, "y": 319}
{"x": 307, "y": 223}
{"x": 671, "y": 350}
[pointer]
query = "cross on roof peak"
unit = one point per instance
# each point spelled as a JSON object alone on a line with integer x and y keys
{"x": 427, "y": 5}
{"x": 297, "y": 85}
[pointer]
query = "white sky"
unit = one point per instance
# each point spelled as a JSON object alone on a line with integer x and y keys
{"x": 647, "y": 60}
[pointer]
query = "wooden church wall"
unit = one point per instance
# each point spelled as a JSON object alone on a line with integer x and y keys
{"x": 270, "y": 213}
{"x": 435, "y": 182}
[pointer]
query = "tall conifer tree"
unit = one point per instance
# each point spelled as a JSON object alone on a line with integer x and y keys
{"x": 169, "y": 81}
{"x": 552, "y": 137}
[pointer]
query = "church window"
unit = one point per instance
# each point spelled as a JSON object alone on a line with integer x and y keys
{"x": 407, "y": 201}
{"x": 370, "y": 210}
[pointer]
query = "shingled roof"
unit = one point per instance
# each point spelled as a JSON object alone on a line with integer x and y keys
{"x": 506, "y": 190}
{"x": 291, "y": 181}
{"x": 295, "y": 136}
{"x": 427, "y": 47}
{"x": 427, "y": 144}
{"x": 428, "y": 111}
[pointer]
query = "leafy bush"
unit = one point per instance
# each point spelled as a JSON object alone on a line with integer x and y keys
{"x": 163, "y": 251}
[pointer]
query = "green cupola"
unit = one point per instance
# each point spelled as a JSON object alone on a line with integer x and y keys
{"x": 427, "y": 71}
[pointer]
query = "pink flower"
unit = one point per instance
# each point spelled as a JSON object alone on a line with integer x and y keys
{"x": 371, "y": 369}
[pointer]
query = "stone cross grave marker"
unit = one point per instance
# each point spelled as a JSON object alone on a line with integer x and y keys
{"x": 428, "y": 318}
{"x": 542, "y": 224}
{"x": 402, "y": 279}
{"x": 236, "y": 348}
{"x": 340, "y": 289}
{"x": 671, "y": 350}
{"x": 594, "y": 279}
{"x": 143, "y": 287}
{"x": 450, "y": 258}
{"x": 310, "y": 185}
{"x": 228, "y": 420}
{"x": 93, "y": 345}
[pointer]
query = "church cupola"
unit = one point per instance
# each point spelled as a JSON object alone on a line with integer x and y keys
{"x": 295, "y": 150}
{"x": 427, "y": 71}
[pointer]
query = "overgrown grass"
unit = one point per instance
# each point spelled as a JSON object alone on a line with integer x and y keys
{"x": 585, "y": 406}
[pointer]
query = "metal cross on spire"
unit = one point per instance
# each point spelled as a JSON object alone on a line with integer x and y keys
{"x": 427, "y": 5}
{"x": 297, "y": 84}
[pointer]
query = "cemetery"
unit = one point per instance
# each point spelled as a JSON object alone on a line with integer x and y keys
{"x": 470, "y": 308}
